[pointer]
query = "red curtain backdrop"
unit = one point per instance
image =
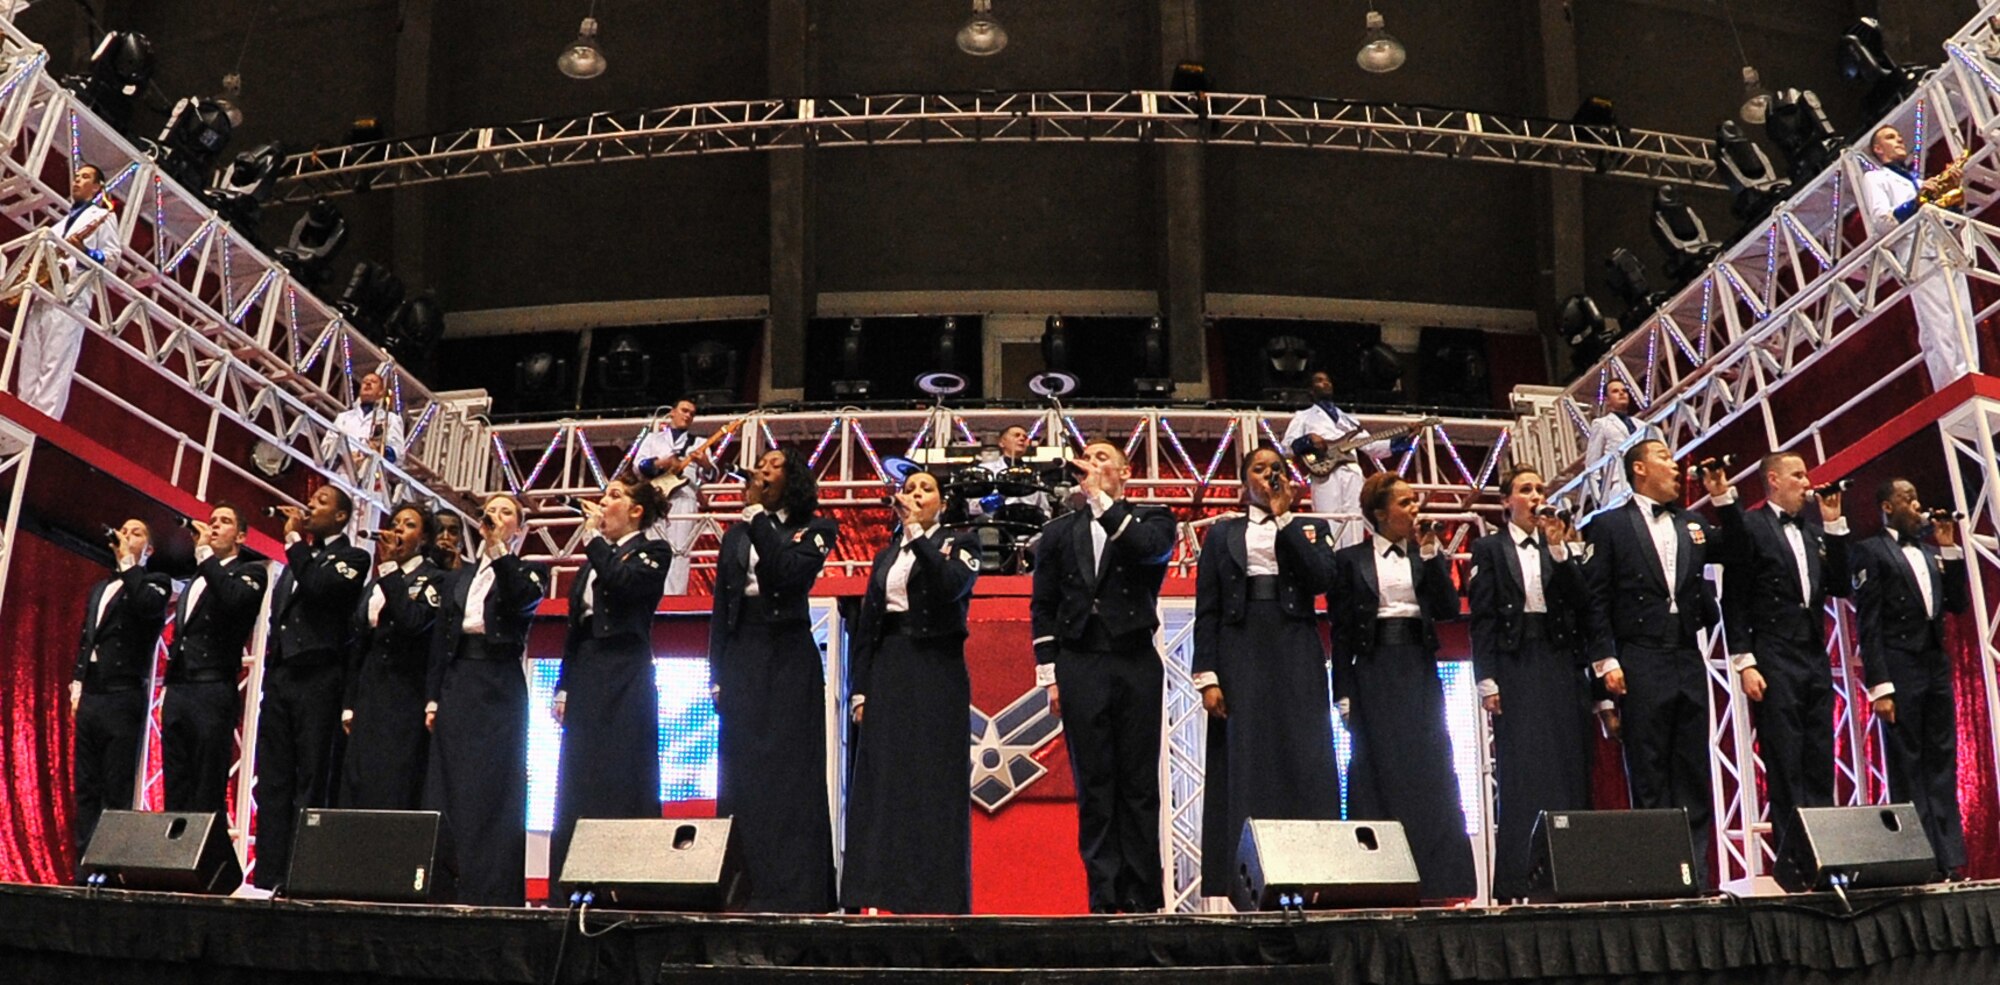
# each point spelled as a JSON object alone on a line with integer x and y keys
{"x": 40, "y": 618}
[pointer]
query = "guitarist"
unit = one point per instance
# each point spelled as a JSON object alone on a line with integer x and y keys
{"x": 670, "y": 450}
{"x": 1312, "y": 432}
{"x": 53, "y": 338}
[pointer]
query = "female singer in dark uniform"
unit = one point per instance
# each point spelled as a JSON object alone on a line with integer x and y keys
{"x": 1385, "y": 602}
{"x": 909, "y": 820}
{"x": 447, "y": 542}
{"x": 610, "y": 764}
{"x": 478, "y": 713}
{"x": 384, "y": 713}
{"x": 1526, "y": 590}
{"x": 1261, "y": 668}
{"x": 770, "y": 689}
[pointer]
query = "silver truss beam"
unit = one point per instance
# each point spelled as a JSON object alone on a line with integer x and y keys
{"x": 1135, "y": 117}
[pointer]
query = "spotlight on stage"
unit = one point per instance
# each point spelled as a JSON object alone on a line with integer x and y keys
{"x": 1380, "y": 379}
{"x": 1583, "y": 327}
{"x": 1682, "y": 235}
{"x": 372, "y": 293}
{"x": 624, "y": 373}
{"x": 943, "y": 379}
{"x": 1155, "y": 384}
{"x": 1286, "y": 369}
{"x": 1625, "y": 274}
{"x": 708, "y": 374}
{"x": 1863, "y": 58}
{"x": 541, "y": 382}
{"x": 1799, "y": 126}
{"x": 1055, "y": 344}
{"x": 1749, "y": 173}
{"x": 243, "y": 188}
{"x": 851, "y": 384}
{"x": 1052, "y": 385}
{"x": 121, "y": 65}
{"x": 414, "y": 332}
{"x": 317, "y": 238}
{"x": 188, "y": 146}
{"x": 1380, "y": 51}
{"x": 982, "y": 35}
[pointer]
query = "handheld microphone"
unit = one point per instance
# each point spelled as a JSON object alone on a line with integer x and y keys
{"x": 1550, "y": 511}
{"x": 110, "y": 534}
{"x": 371, "y": 534}
{"x": 273, "y": 512}
{"x": 1942, "y": 515}
{"x": 185, "y": 522}
{"x": 1724, "y": 462}
{"x": 1430, "y": 526}
{"x": 1833, "y": 488}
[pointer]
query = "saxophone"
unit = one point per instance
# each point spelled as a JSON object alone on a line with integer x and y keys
{"x": 1950, "y": 193}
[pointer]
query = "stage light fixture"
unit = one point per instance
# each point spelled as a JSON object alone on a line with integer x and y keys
{"x": 982, "y": 36}
{"x": 316, "y": 239}
{"x": 584, "y": 58}
{"x": 540, "y": 381}
{"x": 1154, "y": 383}
{"x": 1286, "y": 369}
{"x": 120, "y": 66}
{"x": 624, "y": 372}
{"x": 1055, "y": 345}
{"x": 1799, "y": 126}
{"x": 1380, "y": 52}
{"x": 193, "y": 138}
{"x": 1863, "y": 57}
{"x": 1626, "y": 275}
{"x": 372, "y": 293}
{"x": 708, "y": 373}
{"x": 1381, "y": 375}
{"x": 1681, "y": 235}
{"x": 1748, "y": 171}
{"x": 852, "y": 385}
{"x": 1583, "y": 326}
{"x": 414, "y": 332}
{"x": 242, "y": 189}
{"x": 1756, "y": 98}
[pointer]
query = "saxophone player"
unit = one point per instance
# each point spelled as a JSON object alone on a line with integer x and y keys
{"x": 53, "y": 336}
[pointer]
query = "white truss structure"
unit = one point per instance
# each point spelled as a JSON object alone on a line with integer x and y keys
{"x": 1722, "y": 351}
{"x": 1142, "y": 116}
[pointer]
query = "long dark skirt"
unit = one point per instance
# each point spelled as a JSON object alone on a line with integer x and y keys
{"x": 1542, "y": 743}
{"x": 772, "y": 765}
{"x": 479, "y": 776}
{"x": 1402, "y": 769}
{"x": 386, "y": 751}
{"x": 610, "y": 764}
{"x": 909, "y": 812}
{"x": 1272, "y": 670}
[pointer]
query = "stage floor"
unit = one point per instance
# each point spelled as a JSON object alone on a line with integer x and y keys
{"x": 1939, "y": 933}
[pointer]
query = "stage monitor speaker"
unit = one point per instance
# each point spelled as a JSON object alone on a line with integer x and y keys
{"x": 371, "y": 856}
{"x": 1862, "y": 847}
{"x": 678, "y": 864}
{"x": 1291, "y": 865}
{"x": 177, "y": 853}
{"x": 1607, "y": 856}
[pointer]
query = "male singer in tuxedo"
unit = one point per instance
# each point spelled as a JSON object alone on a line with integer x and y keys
{"x": 1094, "y": 609}
{"x": 1903, "y": 586}
{"x": 1785, "y": 566}
{"x": 311, "y": 635}
{"x": 122, "y": 620}
{"x": 212, "y": 621}
{"x": 1649, "y": 598}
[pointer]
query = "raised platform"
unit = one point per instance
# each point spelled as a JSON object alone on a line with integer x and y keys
{"x": 1905, "y": 936}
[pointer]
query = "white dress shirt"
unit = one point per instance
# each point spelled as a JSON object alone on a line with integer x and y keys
{"x": 1260, "y": 542}
{"x": 1913, "y": 555}
{"x": 898, "y": 589}
{"x": 474, "y": 623}
{"x": 1667, "y": 546}
{"x": 1534, "y": 599}
{"x": 1396, "y": 593}
{"x": 1796, "y": 540}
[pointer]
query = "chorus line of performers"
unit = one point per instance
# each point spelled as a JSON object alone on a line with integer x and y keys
{"x": 395, "y": 681}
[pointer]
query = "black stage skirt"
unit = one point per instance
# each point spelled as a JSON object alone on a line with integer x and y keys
{"x": 610, "y": 763}
{"x": 386, "y": 751}
{"x": 1542, "y": 745}
{"x": 1272, "y": 670}
{"x": 772, "y": 764}
{"x": 478, "y": 774}
{"x": 1402, "y": 770}
{"x": 909, "y": 814}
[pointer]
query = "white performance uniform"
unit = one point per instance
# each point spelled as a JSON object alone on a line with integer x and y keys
{"x": 1948, "y": 354}
{"x": 1340, "y": 490}
{"x": 52, "y": 338}
{"x": 352, "y": 429}
{"x": 679, "y": 527}
{"x": 1607, "y": 434}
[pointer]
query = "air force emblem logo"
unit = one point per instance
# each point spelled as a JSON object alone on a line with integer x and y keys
{"x": 1004, "y": 747}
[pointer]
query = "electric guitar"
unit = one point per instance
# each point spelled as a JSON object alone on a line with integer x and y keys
{"x": 17, "y": 291}
{"x": 672, "y": 479}
{"x": 1320, "y": 463}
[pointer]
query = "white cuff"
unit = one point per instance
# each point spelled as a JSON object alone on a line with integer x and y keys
{"x": 751, "y": 510}
{"x": 1882, "y": 690}
{"x": 1836, "y": 528}
{"x": 1740, "y": 662}
{"x": 202, "y": 552}
{"x": 127, "y": 563}
{"x": 292, "y": 537}
{"x": 1345, "y": 707}
{"x": 1603, "y": 668}
{"x": 75, "y": 691}
{"x": 1607, "y": 705}
{"x": 346, "y": 715}
{"x": 855, "y": 701}
{"x": 1728, "y": 496}
{"x": 1429, "y": 551}
{"x": 1206, "y": 679}
{"x": 561, "y": 697}
{"x": 1045, "y": 675}
{"x": 1952, "y": 553}
{"x": 1488, "y": 687}
{"x": 430, "y": 707}
{"x": 1558, "y": 553}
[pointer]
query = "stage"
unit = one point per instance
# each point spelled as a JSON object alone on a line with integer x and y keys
{"x": 1905, "y": 936}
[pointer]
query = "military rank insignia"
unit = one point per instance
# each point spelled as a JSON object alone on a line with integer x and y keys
{"x": 1312, "y": 534}
{"x": 345, "y": 571}
{"x": 1695, "y": 534}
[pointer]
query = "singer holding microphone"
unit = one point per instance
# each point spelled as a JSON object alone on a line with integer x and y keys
{"x": 909, "y": 827}
{"x": 610, "y": 764}
{"x": 311, "y": 636}
{"x": 122, "y": 619}
{"x": 384, "y": 716}
{"x": 478, "y": 708}
{"x": 770, "y": 688}
{"x": 214, "y": 618}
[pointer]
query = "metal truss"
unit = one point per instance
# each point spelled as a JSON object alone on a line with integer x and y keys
{"x": 1136, "y": 117}
{"x": 1179, "y": 458}
{"x": 1969, "y": 452}
{"x": 189, "y": 273}
{"x": 1183, "y": 759}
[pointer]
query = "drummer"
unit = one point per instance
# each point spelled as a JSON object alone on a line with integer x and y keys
{"x": 1013, "y": 444}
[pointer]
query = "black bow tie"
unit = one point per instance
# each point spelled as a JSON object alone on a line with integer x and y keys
{"x": 1792, "y": 518}
{"x": 1527, "y": 542}
{"x": 1906, "y": 540}
{"x": 1396, "y": 549}
{"x": 1663, "y": 509}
